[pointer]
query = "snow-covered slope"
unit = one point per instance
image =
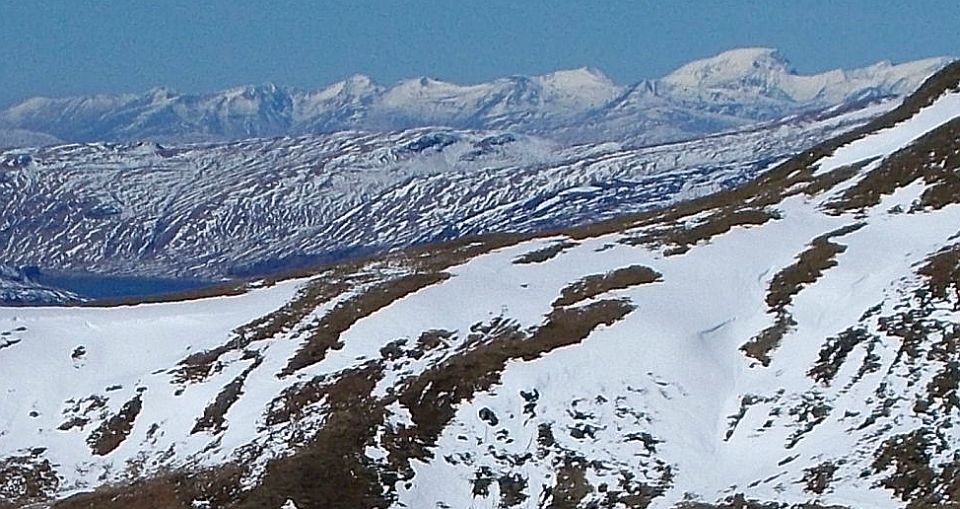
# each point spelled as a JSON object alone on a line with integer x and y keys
{"x": 257, "y": 206}
{"x": 791, "y": 342}
{"x": 16, "y": 287}
{"x": 728, "y": 91}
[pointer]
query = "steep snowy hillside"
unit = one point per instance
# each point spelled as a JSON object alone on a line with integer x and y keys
{"x": 731, "y": 90}
{"x": 791, "y": 342}
{"x": 257, "y": 206}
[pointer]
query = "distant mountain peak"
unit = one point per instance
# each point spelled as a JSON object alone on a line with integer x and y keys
{"x": 730, "y": 67}
{"x": 580, "y": 75}
{"x": 571, "y": 105}
{"x": 360, "y": 80}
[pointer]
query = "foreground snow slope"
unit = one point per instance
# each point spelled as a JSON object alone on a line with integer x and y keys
{"x": 793, "y": 341}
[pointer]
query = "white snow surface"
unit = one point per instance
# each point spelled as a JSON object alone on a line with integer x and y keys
{"x": 665, "y": 394}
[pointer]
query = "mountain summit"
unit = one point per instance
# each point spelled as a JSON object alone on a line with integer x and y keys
{"x": 732, "y": 69}
{"x": 731, "y": 90}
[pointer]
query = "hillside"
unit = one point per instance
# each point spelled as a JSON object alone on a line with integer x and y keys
{"x": 728, "y": 91}
{"x": 790, "y": 342}
{"x": 206, "y": 212}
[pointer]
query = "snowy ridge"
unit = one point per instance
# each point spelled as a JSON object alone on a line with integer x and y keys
{"x": 729, "y": 91}
{"x": 258, "y": 206}
{"x": 791, "y": 342}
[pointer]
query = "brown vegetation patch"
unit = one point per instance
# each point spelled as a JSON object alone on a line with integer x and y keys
{"x": 218, "y": 487}
{"x": 512, "y": 490}
{"x": 326, "y": 334}
{"x": 294, "y": 402}
{"x": 199, "y": 366}
{"x": 746, "y": 402}
{"x": 738, "y": 501}
{"x": 827, "y": 181}
{"x": 683, "y": 238}
{"x": 942, "y": 271}
{"x": 809, "y": 267}
{"x": 112, "y": 432}
{"x": 546, "y": 253}
{"x": 943, "y": 388}
{"x": 213, "y": 417}
{"x": 809, "y": 414}
{"x": 425, "y": 262}
{"x": 332, "y": 470}
{"x": 913, "y": 478}
{"x": 818, "y": 478}
{"x": 572, "y": 485}
{"x": 769, "y": 339}
{"x": 432, "y": 339}
{"x": 433, "y": 396}
{"x": 27, "y": 478}
{"x": 597, "y": 284}
{"x": 835, "y": 351}
{"x": 79, "y": 412}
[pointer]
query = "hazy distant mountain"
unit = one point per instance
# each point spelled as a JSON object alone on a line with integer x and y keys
{"x": 730, "y": 90}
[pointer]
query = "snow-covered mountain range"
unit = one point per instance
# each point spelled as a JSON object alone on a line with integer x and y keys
{"x": 731, "y": 90}
{"x": 258, "y": 206}
{"x": 791, "y": 342}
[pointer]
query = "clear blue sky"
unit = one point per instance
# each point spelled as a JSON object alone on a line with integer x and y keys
{"x": 77, "y": 47}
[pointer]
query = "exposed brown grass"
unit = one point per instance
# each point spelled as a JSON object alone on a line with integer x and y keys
{"x": 178, "y": 490}
{"x": 433, "y": 396}
{"x": 199, "y": 366}
{"x": 809, "y": 267}
{"x": 546, "y": 253}
{"x": 942, "y": 271}
{"x": 214, "y": 415}
{"x": 907, "y": 455}
{"x": 332, "y": 471}
{"x": 27, "y": 478}
{"x": 572, "y": 485}
{"x": 326, "y": 334}
{"x": 682, "y": 239}
{"x": 760, "y": 346}
{"x": 818, "y": 478}
{"x": 737, "y": 501}
{"x": 835, "y": 351}
{"x": 597, "y": 284}
{"x": 292, "y": 404}
{"x": 112, "y": 432}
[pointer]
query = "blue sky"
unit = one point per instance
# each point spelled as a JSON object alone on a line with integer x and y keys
{"x": 77, "y": 46}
